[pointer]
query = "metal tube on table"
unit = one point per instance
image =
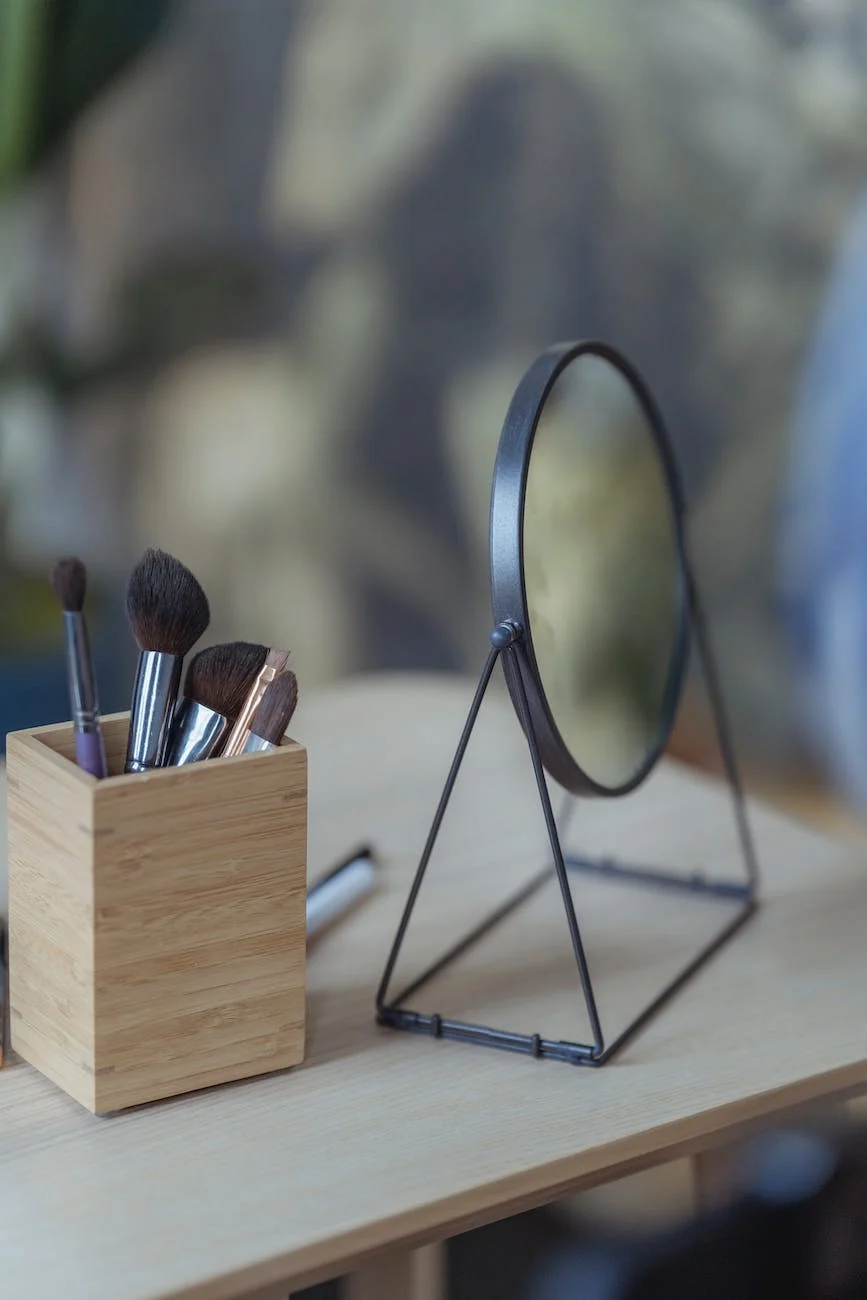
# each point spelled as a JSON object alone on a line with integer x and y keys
{"x": 339, "y": 891}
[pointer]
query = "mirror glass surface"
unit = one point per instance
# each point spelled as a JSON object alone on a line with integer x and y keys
{"x": 602, "y": 573}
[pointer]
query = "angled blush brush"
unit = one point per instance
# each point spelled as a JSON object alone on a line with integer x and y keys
{"x": 217, "y": 683}
{"x": 168, "y": 612}
{"x": 273, "y": 714}
{"x": 275, "y": 662}
{"x": 69, "y": 580}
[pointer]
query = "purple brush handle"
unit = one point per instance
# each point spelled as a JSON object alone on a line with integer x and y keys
{"x": 90, "y": 753}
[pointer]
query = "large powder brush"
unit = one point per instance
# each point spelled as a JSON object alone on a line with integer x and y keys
{"x": 168, "y": 612}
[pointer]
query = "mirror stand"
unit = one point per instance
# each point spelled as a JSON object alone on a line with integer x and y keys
{"x": 507, "y": 641}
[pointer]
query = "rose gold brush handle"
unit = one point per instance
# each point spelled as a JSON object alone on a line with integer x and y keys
{"x": 275, "y": 662}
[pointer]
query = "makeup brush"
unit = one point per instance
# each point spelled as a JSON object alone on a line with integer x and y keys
{"x": 168, "y": 612}
{"x": 337, "y": 893}
{"x": 273, "y": 714}
{"x": 275, "y": 662}
{"x": 69, "y": 580}
{"x": 217, "y": 683}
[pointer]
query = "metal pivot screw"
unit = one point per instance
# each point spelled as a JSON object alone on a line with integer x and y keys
{"x": 504, "y": 634}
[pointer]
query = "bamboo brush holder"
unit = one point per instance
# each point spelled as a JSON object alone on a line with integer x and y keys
{"x": 156, "y": 921}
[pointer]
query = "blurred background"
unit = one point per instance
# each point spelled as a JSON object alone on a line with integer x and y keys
{"x": 269, "y": 273}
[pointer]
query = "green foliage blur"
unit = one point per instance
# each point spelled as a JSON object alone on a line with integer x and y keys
{"x": 56, "y": 56}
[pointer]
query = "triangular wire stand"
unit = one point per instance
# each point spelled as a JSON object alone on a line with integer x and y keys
{"x": 507, "y": 640}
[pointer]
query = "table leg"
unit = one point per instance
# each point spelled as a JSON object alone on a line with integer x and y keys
{"x": 429, "y": 1269}
{"x": 713, "y": 1176}
{"x": 400, "y": 1275}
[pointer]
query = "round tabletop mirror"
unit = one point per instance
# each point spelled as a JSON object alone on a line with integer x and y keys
{"x": 587, "y": 560}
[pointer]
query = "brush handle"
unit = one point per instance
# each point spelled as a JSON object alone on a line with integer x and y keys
{"x": 157, "y": 679}
{"x": 258, "y": 745}
{"x": 89, "y": 749}
{"x": 197, "y": 732}
{"x": 340, "y": 890}
{"x": 90, "y": 753}
{"x": 240, "y": 732}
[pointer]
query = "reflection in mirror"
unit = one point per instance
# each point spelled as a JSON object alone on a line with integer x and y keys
{"x": 602, "y": 572}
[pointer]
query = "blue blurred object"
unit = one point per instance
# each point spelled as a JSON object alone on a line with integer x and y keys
{"x": 33, "y": 686}
{"x": 33, "y": 692}
{"x": 824, "y": 527}
{"x": 582, "y": 1273}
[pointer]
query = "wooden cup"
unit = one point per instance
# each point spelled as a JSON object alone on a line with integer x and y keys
{"x": 156, "y": 921}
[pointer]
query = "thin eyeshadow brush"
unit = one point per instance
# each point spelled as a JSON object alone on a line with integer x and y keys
{"x": 217, "y": 683}
{"x": 275, "y": 662}
{"x": 273, "y": 714}
{"x": 69, "y": 580}
{"x": 168, "y": 612}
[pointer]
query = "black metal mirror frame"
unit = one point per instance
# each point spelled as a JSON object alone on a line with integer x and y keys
{"x": 510, "y": 645}
{"x": 508, "y": 589}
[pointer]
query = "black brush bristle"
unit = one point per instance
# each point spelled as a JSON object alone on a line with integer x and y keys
{"x": 166, "y": 607}
{"x": 69, "y": 580}
{"x": 221, "y": 676}
{"x": 275, "y": 711}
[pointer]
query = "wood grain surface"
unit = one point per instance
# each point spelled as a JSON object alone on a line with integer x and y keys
{"x": 384, "y": 1139}
{"x": 157, "y": 920}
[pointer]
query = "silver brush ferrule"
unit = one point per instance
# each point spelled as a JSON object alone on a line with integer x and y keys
{"x": 256, "y": 745}
{"x": 79, "y": 664}
{"x": 157, "y": 679}
{"x": 197, "y": 732}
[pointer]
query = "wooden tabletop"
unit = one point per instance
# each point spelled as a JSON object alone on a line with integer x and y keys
{"x": 383, "y": 1137}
